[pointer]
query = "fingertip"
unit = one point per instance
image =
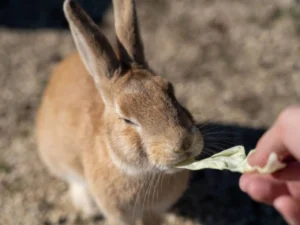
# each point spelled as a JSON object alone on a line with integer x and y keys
{"x": 259, "y": 156}
{"x": 246, "y": 179}
{"x": 289, "y": 209}
{"x": 271, "y": 141}
{"x": 243, "y": 182}
{"x": 279, "y": 203}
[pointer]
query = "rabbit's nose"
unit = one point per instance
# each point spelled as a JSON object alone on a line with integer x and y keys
{"x": 186, "y": 144}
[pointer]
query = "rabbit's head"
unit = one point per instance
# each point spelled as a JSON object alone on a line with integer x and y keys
{"x": 146, "y": 128}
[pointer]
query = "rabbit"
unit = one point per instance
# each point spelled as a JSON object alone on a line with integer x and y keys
{"x": 111, "y": 127}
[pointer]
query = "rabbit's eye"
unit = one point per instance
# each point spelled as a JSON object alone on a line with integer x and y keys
{"x": 129, "y": 121}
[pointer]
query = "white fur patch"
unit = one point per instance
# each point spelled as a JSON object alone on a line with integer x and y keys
{"x": 82, "y": 199}
{"x": 80, "y": 194}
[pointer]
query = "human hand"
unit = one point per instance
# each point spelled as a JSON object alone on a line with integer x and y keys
{"x": 281, "y": 189}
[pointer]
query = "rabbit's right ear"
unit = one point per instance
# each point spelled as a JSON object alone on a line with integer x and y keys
{"x": 130, "y": 45}
{"x": 95, "y": 51}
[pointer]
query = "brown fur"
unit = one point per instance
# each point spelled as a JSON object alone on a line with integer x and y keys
{"x": 126, "y": 167}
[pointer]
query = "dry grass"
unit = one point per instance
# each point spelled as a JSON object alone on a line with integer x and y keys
{"x": 232, "y": 62}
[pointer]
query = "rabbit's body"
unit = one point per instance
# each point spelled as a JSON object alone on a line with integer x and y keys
{"x": 61, "y": 111}
{"x": 112, "y": 128}
{"x": 81, "y": 157}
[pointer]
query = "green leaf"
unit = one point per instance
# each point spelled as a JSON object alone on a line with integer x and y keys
{"x": 235, "y": 160}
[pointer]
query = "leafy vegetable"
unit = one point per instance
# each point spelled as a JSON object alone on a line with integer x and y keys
{"x": 235, "y": 160}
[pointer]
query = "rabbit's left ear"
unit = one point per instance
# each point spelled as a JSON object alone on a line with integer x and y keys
{"x": 95, "y": 51}
{"x": 130, "y": 46}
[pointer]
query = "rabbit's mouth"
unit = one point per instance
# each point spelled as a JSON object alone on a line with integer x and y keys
{"x": 185, "y": 158}
{"x": 164, "y": 156}
{"x": 185, "y": 161}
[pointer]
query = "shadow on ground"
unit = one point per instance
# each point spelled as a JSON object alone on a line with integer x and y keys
{"x": 37, "y": 14}
{"x": 231, "y": 62}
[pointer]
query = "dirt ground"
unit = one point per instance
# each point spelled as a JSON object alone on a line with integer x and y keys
{"x": 233, "y": 62}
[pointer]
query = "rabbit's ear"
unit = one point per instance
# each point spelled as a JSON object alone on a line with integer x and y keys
{"x": 95, "y": 51}
{"x": 130, "y": 46}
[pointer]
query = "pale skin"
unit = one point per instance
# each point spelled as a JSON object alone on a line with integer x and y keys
{"x": 281, "y": 189}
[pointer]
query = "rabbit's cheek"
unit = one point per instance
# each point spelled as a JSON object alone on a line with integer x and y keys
{"x": 126, "y": 150}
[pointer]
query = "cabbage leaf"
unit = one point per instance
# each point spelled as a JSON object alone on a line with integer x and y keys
{"x": 235, "y": 160}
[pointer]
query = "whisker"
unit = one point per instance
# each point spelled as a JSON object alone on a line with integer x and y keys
{"x": 219, "y": 132}
{"x": 227, "y": 142}
{"x": 218, "y": 137}
{"x": 209, "y": 151}
{"x": 147, "y": 189}
{"x": 137, "y": 198}
{"x": 219, "y": 146}
{"x": 154, "y": 188}
{"x": 205, "y": 124}
{"x": 204, "y": 153}
{"x": 208, "y": 127}
{"x": 162, "y": 181}
{"x": 213, "y": 142}
{"x": 157, "y": 185}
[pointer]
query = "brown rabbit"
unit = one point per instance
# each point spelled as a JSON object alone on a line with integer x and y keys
{"x": 111, "y": 127}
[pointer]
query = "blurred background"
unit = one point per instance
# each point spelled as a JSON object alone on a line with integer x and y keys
{"x": 235, "y": 65}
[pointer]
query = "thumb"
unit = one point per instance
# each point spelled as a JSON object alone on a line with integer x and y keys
{"x": 283, "y": 138}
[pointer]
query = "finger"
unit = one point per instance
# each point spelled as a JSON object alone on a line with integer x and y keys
{"x": 282, "y": 138}
{"x": 294, "y": 189}
{"x": 244, "y": 181}
{"x": 271, "y": 141}
{"x": 289, "y": 208}
{"x": 290, "y": 173}
{"x": 263, "y": 188}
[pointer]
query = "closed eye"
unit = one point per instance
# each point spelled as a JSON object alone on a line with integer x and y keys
{"x": 129, "y": 122}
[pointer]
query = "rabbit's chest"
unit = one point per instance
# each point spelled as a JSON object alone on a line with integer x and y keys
{"x": 114, "y": 189}
{"x": 164, "y": 190}
{"x": 157, "y": 192}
